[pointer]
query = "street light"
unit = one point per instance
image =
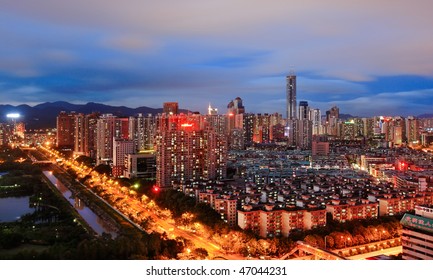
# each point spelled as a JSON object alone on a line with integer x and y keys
{"x": 380, "y": 233}
{"x": 345, "y": 241}
{"x": 325, "y": 241}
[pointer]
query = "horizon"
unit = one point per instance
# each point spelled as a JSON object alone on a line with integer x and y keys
{"x": 323, "y": 113}
{"x": 133, "y": 54}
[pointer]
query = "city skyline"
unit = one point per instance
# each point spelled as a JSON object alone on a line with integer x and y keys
{"x": 145, "y": 53}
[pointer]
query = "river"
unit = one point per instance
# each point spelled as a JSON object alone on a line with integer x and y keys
{"x": 94, "y": 221}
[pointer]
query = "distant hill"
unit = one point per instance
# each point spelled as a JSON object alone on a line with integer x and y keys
{"x": 44, "y": 115}
{"x": 346, "y": 117}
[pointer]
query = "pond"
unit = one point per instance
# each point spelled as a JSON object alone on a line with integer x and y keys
{"x": 12, "y": 208}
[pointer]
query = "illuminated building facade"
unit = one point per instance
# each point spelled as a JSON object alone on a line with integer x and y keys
{"x": 417, "y": 234}
{"x": 121, "y": 147}
{"x": 343, "y": 212}
{"x": 141, "y": 165}
{"x": 188, "y": 149}
{"x": 65, "y": 130}
{"x": 142, "y": 130}
{"x": 291, "y": 97}
{"x": 170, "y": 108}
{"x": 270, "y": 222}
{"x": 109, "y": 127}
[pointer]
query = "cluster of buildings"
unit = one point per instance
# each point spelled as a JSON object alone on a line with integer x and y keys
{"x": 290, "y": 173}
{"x": 11, "y": 130}
{"x": 170, "y": 147}
{"x": 276, "y": 192}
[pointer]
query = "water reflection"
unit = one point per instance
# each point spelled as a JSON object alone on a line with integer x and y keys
{"x": 98, "y": 224}
{"x": 12, "y": 208}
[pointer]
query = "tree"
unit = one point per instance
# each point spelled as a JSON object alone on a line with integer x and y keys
{"x": 201, "y": 253}
{"x": 87, "y": 161}
{"x": 103, "y": 169}
{"x": 312, "y": 240}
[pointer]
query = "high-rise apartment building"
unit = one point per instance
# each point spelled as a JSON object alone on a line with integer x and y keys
{"x": 171, "y": 108}
{"x": 412, "y": 130}
{"x": 109, "y": 127}
{"x": 142, "y": 131}
{"x": 80, "y": 134}
{"x": 65, "y": 130}
{"x": 188, "y": 149}
{"x": 234, "y": 108}
{"x": 248, "y": 129}
{"x": 304, "y": 127}
{"x": 332, "y": 117}
{"x": 121, "y": 148}
{"x": 316, "y": 118}
{"x": 91, "y": 124}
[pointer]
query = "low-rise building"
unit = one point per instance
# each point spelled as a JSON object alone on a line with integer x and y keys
{"x": 269, "y": 222}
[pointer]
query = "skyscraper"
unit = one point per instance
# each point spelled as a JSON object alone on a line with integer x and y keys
{"x": 291, "y": 96}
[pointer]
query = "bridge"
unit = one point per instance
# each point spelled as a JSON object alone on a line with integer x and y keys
{"x": 304, "y": 251}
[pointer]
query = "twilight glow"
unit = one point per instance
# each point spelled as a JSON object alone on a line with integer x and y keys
{"x": 367, "y": 58}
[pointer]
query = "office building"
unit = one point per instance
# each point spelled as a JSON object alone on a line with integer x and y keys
{"x": 141, "y": 165}
{"x": 417, "y": 234}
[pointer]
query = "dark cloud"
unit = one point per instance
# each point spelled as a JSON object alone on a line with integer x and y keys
{"x": 139, "y": 52}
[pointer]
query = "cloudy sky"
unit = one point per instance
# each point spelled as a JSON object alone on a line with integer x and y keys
{"x": 366, "y": 57}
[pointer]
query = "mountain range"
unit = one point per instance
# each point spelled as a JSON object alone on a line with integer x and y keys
{"x": 44, "y": 115}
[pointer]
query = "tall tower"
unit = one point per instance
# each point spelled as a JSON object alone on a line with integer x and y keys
{"x": 291, "y": 96}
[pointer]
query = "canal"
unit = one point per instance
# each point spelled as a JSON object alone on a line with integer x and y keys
{"x": 94, "y": 221}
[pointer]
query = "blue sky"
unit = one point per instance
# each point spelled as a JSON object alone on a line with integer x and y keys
{"x": 366, "y": 57}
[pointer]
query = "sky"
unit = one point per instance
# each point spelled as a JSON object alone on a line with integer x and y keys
{"x": 366, "y": 57}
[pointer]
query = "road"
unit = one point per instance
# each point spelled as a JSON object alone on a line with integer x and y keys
{"x": 134, "y": 209}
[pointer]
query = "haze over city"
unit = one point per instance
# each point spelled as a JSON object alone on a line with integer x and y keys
{"x": 366, "y": 59}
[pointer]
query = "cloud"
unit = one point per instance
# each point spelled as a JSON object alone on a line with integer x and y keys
{"x": 201, "y": 51}
{"x": 131, "y": 43}
{"x": 390, "y": 104}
